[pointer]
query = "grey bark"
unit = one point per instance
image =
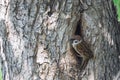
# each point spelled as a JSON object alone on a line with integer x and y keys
{"x": 34, "y": 39}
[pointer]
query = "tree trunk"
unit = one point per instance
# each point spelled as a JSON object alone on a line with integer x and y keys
{"x": 34, "y": 39}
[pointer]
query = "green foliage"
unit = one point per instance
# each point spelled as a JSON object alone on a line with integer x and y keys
{"x": 117, "y": 4}
{"x": 0, "y": 75}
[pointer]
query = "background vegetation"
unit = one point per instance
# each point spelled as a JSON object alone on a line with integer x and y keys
{"x": 117, "y": 4}
{"x": 0, "y": 74}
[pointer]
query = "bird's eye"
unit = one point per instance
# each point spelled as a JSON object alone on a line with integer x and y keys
{"x": 75, "y": 41}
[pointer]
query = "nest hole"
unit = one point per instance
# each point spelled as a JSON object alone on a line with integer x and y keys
{"x": 78, "y": 28}
{"x": 78, "y": 31}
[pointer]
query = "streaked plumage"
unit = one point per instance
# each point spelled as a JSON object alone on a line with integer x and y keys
{"x": 82, "y": 49}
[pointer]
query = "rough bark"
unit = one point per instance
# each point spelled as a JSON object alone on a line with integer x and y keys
{"x": 34, "y": 39}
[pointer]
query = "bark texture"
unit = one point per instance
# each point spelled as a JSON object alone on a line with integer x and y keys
{"x": 34, "y": 39}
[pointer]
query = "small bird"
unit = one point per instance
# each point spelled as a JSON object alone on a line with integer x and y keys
{"x": 82, "y": 49}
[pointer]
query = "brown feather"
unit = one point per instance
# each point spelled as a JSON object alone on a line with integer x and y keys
{"x": 82, "y": 49}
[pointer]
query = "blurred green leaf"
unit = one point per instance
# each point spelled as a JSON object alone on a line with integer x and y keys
{"x": 0, "y": 75}
{"x": 117, "y": 4}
